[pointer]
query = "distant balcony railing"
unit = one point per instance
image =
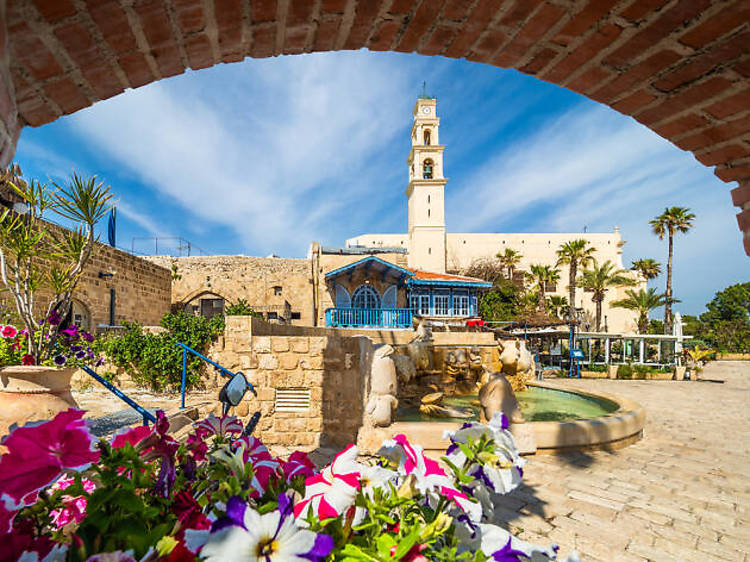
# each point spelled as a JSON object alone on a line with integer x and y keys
{"x": 368, "y": 317}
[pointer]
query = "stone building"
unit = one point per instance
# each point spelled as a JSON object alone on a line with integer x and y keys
{"x": 384, "y": 280}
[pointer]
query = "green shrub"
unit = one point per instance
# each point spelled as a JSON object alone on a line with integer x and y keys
{"x": 240, "y": 308}
{"x": 625, "y": 371}
{"x": 596, "y": 368}
{"x": 640, "y": 371}
{"x": 154, "y": 360}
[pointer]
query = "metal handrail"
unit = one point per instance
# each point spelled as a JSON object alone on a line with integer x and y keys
{"x": 147, "y": 416}
{"x": 224, "y": 371}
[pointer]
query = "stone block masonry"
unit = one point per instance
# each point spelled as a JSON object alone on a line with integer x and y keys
{"x": 142, "y": 289}
{"x": 680, "y": 67}
{"x": 327, "y": 370}
{"x": 262, "y": 282}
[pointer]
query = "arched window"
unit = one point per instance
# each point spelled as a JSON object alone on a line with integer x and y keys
{"x": 427, "y": 135}
{"x": 343, "y": 300}
{"x": 365, "y": 297}
{"x": 427, "y": 169}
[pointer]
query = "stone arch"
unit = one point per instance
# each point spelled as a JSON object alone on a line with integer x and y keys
{"x": 195, "y": 303}
{"x": 79, "y": 314}
{"x": 680, "y": 67}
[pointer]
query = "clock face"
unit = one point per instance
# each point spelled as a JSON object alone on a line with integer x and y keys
{"x": 425, "y": 110}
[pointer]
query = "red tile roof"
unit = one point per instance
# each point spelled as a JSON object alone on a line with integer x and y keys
{"x": 430, "y": 276}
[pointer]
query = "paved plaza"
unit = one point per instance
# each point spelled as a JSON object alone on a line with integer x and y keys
{"x": 681, "y": 493}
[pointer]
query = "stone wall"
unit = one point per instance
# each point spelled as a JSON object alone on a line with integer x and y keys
{"x": 142, "y": 289}
{"x": 251, "y": 278}
{"x": 328, "y": 366}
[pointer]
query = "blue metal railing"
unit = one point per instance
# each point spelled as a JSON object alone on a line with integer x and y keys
{"x": 185, "y": 349}
{"x": 147, "y": 416}
{"x": 369, "y": 317}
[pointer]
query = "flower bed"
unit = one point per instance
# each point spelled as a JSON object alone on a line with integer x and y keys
{"x": 223, "y": 496}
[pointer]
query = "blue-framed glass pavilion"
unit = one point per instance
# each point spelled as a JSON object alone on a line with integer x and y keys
{"x": 375, "y": 293}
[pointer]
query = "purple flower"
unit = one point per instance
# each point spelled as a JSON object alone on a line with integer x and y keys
{"x": 271, "y": 536}
{"x": 60, "y": 360}
{"x": 54, "y": 318}
{"x": 75, "y": 348}
{"x": 87, "y": 336}
{"x": 508, "y": 554}
{"x": 70, "y": 331}
{"x": 81, "y": 354}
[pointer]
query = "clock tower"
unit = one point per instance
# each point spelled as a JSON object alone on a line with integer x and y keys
{"x": 426, "y": 190}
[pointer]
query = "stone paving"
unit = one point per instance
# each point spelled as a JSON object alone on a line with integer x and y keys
{"x": 681, "y": 493}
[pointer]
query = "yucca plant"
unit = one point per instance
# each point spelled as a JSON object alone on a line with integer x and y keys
{"x": 35, "y": 255}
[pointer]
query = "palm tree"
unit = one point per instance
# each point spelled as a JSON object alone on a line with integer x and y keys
{"x": 599, "y": 279}
{"x": 574, "y": 253}
{"x": 557, "y": 305}
{"x": 671, "y": 221}
{"x": 643, "y": 301}
{"x": 647, "y": 268}
{"x": 509, "y": 260}
{"x": 543, "y": 276}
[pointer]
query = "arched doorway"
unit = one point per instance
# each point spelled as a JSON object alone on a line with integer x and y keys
{"x": 205, "y": 304}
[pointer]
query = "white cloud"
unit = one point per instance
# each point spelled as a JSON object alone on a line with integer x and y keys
{"x": 594, "y": 167}
{"x": 276, "y": 172}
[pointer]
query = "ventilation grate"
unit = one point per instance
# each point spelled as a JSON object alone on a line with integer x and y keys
{"x": 292, "y": 399}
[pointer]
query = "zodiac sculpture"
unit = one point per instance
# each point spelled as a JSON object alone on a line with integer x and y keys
{"x": 498, "y": 396}
{"x": 383, "y": 387}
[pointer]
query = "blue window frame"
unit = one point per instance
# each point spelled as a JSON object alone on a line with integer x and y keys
{"x": 460, "y": 304}
{"x": 365, "y": 297}
{"x": 442, "y": 304}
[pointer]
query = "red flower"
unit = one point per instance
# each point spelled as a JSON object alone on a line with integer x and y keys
{"x": 9, "y": 331}
{"x": 27, "y": 359}
{"x": 298, "y": 464}
{"x": 38, "y": 452}
{"x": 189, "y": 513}
{"x": 132, "y": 435}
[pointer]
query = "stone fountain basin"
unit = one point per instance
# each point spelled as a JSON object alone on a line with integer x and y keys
{"x": 612, "y": 431}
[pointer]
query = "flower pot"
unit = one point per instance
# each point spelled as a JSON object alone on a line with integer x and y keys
{"x": 612, "y": 371}
{"x": 30, "y": 393}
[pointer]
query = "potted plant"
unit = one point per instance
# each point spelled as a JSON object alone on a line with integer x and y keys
{"x": 40, "y": 267}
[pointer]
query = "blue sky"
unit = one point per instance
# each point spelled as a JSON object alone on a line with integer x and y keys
{"x": 265, "y": 156}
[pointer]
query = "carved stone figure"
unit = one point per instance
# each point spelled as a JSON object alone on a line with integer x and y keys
{"x": 405, "y": 368}
{"x": 382, "y": 402}
{"x": 431, "y": 406}
{"x": 517, "y": 363}
{"x": 498, "y": 396}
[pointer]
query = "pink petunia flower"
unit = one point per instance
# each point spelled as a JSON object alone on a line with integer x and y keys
{"x": 9, "y": 331}
{"x": 430, "y": 478}
{"x": 332, "y": 492}
{"x": 265, "y": 466}
{"x": 299, "y": 464}
{"x": 132, "y": 435}
{"x": 27, "y": 359}
{"x": 220, "y": 427}
{"x": 38, "y": 452}
{"x": 8, "y": 510}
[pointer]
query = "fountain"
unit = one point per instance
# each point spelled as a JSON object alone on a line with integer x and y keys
{"x": 423, "y": 388}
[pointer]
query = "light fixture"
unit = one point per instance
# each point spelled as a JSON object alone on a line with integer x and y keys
{"x": 103, "y": 275}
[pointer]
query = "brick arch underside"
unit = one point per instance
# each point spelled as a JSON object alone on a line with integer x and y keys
{"x": 680, "y": 67}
